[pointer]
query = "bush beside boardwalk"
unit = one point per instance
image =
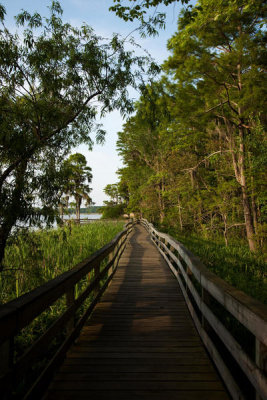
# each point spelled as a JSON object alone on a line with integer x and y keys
{"x": 234, "y": 263}
{"x": 33, "y": 258}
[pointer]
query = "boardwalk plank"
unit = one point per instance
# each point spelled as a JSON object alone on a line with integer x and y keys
{"x": 138, "y": 395}
{"x": 140, "y": 342}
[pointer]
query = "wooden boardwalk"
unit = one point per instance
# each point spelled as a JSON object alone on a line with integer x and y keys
{"x": 140, "y": 342}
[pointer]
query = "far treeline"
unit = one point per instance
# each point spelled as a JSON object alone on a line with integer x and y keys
{"x": 86, "y": 210}
{"x": 195, "y": 152}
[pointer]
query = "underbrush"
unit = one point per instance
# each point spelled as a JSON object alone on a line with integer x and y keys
{"x": 234, "y": 263}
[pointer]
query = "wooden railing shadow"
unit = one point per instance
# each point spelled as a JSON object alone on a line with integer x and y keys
{"x": 19, "y": 313}
{"x": 132, "y": 271}
{"x": 122, "y": 292}
{"x": 204, "y": 292}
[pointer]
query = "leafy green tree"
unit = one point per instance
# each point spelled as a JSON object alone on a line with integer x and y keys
{"x": 112, "y": 190}
{"x": 119, "y": 197}
{"x": 219, "y": 49}
{"x": 78, "y": 176}
{"x": 141, "y": 142}
{"x": 51, "y": 80}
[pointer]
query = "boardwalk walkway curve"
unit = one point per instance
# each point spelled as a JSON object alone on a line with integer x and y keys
{"x": 140, "y": 342}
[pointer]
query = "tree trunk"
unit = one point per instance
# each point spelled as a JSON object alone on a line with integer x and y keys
{"x": 241, "y": 164}
{"x": 246, "y": 204}
{"x": 4, "y": 234}
{"x": 161, "y": 204}
{"x": 180, "y": 213}
{"x": 11, "y": 215}
{"x": 77, "y": 207}
{"x": 248, "y": 220}
{"x": 239, "y": 168}
{"x": 61, "y": 210}
{"x": 224, "y": 216}
{"x": 253, "y": 199}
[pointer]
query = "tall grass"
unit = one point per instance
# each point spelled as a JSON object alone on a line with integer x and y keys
{"x": 234, "y": 263}
{"x": 33, "y": 258}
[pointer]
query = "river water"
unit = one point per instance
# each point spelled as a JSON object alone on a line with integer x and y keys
{"x": 55, "y": 225}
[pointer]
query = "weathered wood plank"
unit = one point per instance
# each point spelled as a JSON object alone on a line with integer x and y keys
{"x": 137, "y": 385}
{"x": 140, "y": 341}
{"x": 135, "y": 376}
{"x": 137, "y": 395}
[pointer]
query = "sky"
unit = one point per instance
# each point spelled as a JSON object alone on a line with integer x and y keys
{"x": 103, "y": 159}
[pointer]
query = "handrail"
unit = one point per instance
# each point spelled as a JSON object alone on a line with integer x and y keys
{"x": 248, "y": 311}
{"x": 19, "y": 313}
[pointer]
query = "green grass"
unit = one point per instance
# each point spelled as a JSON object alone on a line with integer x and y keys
{"x": 234, "y": 263}
{"x": 34, "y": 258}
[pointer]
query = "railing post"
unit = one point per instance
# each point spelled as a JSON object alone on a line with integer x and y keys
{"x": 6, "y": 362}
{"x": 205, "y": 297}
{"x": 110, "y": 256}
{"x": 261, "y": 359}
{"x": 188, "y": 273}
{"x": 166, "y": 244}
{"x": 116, "y": 261}
{"x": 175, "y": 266}
{"x": 96, "y": 273}
{"x": 70, "y": 298}
{"x": 6, "y": 355}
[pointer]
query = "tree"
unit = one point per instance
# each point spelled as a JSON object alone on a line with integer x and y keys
{"x": 54, "y": 80}
{"x": 112, "y": 190}
{"x": 78, "y": 176}
{"x": 141, "y": 142}
{"x": 195, "y": 151}
{"x": 119, "y": 196}
{"x": 228, "y": 60}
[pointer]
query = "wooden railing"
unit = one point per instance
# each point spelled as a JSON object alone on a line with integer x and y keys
{"x": 19, "y": 313}
{"x": 203, "y": 290}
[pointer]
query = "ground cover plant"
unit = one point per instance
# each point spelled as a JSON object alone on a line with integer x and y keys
{"x": 233, "y": 263}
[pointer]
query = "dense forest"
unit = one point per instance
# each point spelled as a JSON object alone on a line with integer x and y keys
{"x": 195, "y": 151}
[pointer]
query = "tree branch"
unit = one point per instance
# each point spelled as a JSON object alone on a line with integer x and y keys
{"x": 206, "y": 158}
{"x": 212, "y": 108}
{"x": 31, "y": 151}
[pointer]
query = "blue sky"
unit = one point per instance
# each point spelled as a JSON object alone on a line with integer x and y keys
{"x": 103, "y": 160}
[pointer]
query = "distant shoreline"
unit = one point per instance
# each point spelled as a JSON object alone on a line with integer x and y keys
{"x": 86, "y": 210}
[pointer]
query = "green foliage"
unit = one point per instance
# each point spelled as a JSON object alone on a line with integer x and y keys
{"x": 234, "y": 263}
{"x": 195, "y": 150}
{"x": 119, "y": 197}
{"x": 34, "y": 258}
{"x": 113, "y": 211}
{"x": 77, "y": 175}
{"x": 139, "y": 12}
{"x": 91, "y": 210}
